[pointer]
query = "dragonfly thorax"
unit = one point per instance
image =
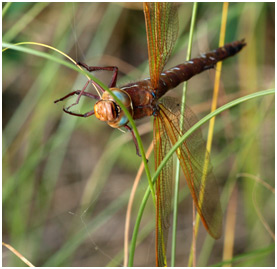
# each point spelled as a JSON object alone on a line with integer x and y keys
{"x": 108, "y": 110}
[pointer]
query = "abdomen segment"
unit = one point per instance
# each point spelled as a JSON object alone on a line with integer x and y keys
{"x": 174, "y": 76}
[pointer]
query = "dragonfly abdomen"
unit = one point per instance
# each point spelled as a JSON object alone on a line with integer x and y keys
{"x": 172, "y": 77}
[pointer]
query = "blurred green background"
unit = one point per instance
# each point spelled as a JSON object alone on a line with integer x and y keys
{"x": 67, "y": 180}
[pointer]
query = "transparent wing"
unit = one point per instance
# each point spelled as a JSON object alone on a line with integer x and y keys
{"x": 161, "y": 21}
{"x": 163, "y": 190}
{"x": 192, "y": 154}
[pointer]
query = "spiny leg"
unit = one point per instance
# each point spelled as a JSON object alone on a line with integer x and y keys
{"x": 87, "y": 94}
{"x": 107, "y": 68}
{"x": 90, "y": 113}
{"x": 79, "y": 96}
{"x": 80, "y": 93}
{"x": 134, "y": 139}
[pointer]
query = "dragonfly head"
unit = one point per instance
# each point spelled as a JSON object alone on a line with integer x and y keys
{"x": 108, "y": 110}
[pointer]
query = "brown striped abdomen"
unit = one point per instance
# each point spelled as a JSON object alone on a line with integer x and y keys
{"x": 144, "y": 97}
{"x": 172, "y": 77}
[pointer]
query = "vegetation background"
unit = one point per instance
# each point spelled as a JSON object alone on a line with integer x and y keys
{"x": 67, "y": 180}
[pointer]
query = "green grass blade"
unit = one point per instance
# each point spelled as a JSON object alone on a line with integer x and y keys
{"x": 5, "y": 9}
{"x": 174, "y": 148}
{"x": 207, "y": 118}
{"x": 24, "y": 21}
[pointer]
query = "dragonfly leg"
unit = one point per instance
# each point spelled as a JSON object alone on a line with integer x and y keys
{"x": 134, "y": 139}
{"x": 107, "y": 68}
{"x": 87, "y": 94}
{"x": 90, "y": 113}
{"x": 80, "y": 93}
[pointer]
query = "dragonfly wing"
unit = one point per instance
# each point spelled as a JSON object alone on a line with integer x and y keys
{"x": 192, "y": 155}
{"x": 161, "y": 21}
{"x": 163, "y": 190}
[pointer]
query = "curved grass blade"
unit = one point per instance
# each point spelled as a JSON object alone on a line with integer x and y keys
{"x": 174, "y": 148}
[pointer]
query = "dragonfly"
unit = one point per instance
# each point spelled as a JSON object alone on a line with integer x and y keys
{"x": 143, "y": 98}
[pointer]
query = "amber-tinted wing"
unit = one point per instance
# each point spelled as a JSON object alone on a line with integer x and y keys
{"x": 192, "y": 156}
{"x": 163, "y": 190}
{"x": 161, "y": 21}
